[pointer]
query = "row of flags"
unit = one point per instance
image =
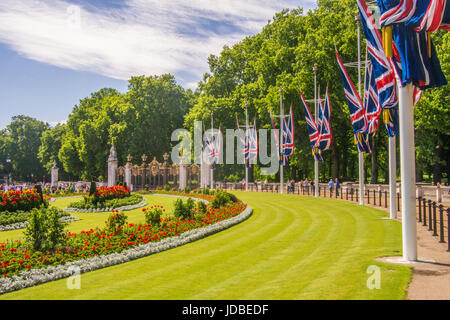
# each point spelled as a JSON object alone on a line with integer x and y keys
{"x": 382, "y": 73}
{"x": 404, "y": 52}
{"x": 213, "y": 145}
{"x": 287, "y": 138}
{"x": 249, "y": 142}
{"x": 319, "y": 133}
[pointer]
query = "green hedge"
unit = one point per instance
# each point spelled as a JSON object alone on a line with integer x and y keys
{"x": 114, "y": 203}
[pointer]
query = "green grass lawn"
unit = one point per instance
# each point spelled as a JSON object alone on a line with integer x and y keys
{"x": 292, "y": 247}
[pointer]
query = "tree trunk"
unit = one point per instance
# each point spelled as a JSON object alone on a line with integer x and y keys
{"x": 335, "y": 160}
{"x": 250, "y": 173}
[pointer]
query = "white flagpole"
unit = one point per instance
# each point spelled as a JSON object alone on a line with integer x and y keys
{"x": 212, "y": 135}
{"x": 316, "y": 116}
{"x": 360, "y": 153}
{"x": 408, "y": 172}
{"x": 247, "y": 139}
{"x": 281, "y": 141}
{"x": 392, "y": 178}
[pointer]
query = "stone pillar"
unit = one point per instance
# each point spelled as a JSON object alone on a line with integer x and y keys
{"x": 419, "y": 192}
{"x": 205, "y": 171}
{"x": 128, "y": 167}
{"x": 112, "y": 166}
{"x": 54, "y": 175}
{"x": 438, "y": 193}
{"x": 143, "y": 171}
{"x": 182, "y": 176}
{"x": 165, "y": 168}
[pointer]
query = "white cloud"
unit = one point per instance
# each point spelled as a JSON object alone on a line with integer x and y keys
{"x": 143, "y": 37}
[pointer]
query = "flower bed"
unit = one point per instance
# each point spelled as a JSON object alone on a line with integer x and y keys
{"x": 25, "y": 200}
{"x": 123, "y": 204}
{"x": 95, "y": 249}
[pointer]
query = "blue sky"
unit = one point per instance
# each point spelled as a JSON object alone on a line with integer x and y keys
{"x": 55, "y": 52}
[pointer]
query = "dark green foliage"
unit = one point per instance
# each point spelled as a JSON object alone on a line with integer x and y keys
{"x": 93, "y": 188}
{"x": 201, "y": 207}
{"x": 223, "y": 198}
{"x": 153, "y": 216}
{"x": 44, "y": 231}
{"x": 38, "y": 188}
{"x": 184, "y": 210}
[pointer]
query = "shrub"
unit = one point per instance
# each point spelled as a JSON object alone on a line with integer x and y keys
{"x": 186, "y": 189}
{"x": 201, "y": 207}
{"x": 167, "y": 187}
{"x": 184, "y": 211}
{"x": 92, "y": 189}
{"x": 222, "y": 198}
{"x": 153, "y": 215}
{"x": 38, "y": 188}
{"x": 116, "y": 222}
{"x": 44, "y": 231}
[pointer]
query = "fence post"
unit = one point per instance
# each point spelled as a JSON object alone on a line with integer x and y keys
{"x": 424, "y": 211}
{"x": 420, "y": 208}
{"x": 346, "y": 193}
{"x": 434, "y": 219}
{"x": 441, "y": 224}
{"x": 385, "y": 198}
{"x": 357, "y": 191}
{"x": 430, "y": 216}
{"x": 448, "y": 229}
{"x": 368, "y": 196}
{"x": 398, "y": 201}
{"x": 379, "y": 198}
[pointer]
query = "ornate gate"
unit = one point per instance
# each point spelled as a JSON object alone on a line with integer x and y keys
{"x": 155, "y": 174}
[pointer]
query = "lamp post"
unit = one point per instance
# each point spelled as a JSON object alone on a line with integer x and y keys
{"x": 8, "y": 161}
{"x": 316, "y": 116}
{"x": 360, "y": 153}
{"x": 212, "y": 165}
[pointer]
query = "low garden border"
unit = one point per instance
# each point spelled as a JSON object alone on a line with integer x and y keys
{"x": 23, "y": 225}
{"x": 141, "y": 204}
{"x": 35, "y": 277}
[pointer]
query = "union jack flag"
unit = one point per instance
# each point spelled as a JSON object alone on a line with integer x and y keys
{"x": 411, "y": 23}
{"x": 313, "y": 130}
{"x": 355, "y": 105}
{"x": 371, "y": 103}
{"x": 422, "y": 15}
{"x": 383, "y": 69}
{"x": 356, "y": 109}
{"x": 390, "y": 119}
{"x": 288, "y": 137}
{"x": 213, "y": 146}
{"x": 244, "y": 143}
{"x": 252, "y": 142}
{"x": 325, "y": 136}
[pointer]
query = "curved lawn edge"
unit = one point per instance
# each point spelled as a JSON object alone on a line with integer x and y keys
{"x": 24, "y": 224}
{"x": 130, "y": 207}
{"x": 35, "y": 277}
